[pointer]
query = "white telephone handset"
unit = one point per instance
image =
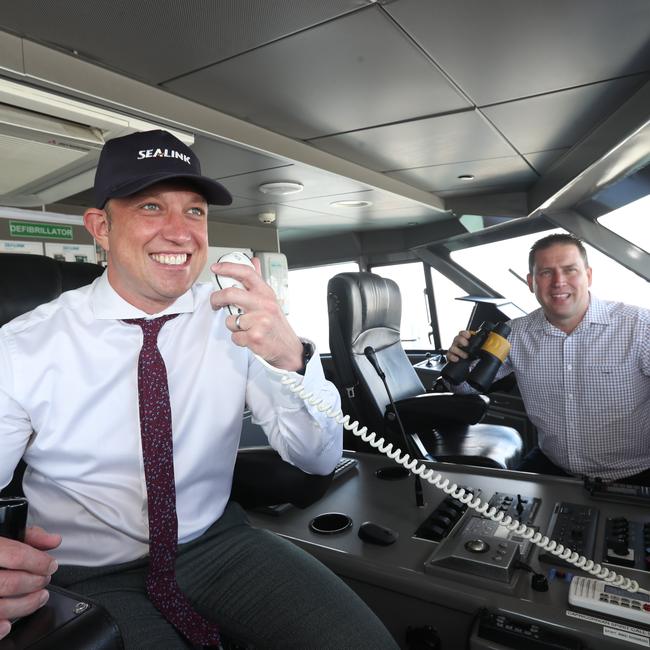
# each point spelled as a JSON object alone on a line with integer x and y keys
{"x": 224, "y": 282}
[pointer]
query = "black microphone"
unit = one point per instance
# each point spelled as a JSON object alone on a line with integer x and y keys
{"x": 372, "y": 357}
{"x": 369, "y": 351}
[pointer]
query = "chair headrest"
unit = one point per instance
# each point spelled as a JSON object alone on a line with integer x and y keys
{"x": 27, "y": 281}
{"x": 365, "y": 302}
{"x": 78, "y": 274}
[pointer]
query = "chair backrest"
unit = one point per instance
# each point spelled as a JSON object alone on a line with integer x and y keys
{"x": 27, "y": 281}
{"x": 365, "y": 310}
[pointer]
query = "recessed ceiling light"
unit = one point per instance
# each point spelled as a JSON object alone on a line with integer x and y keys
{"x": 351, "y": 204}
{"x": 282, "y": 188}
{"x": 466, "y": 177}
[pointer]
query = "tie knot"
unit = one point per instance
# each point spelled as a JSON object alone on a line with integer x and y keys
{"x": 150, "y": 326}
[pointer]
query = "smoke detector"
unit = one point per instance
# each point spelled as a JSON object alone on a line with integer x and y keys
{"x": 266, "y": 217}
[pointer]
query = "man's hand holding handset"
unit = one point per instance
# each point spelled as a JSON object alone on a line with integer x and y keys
{"x": 256, "y": 319}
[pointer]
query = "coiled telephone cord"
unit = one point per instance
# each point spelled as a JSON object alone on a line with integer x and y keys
{"x": 467, "y": 498}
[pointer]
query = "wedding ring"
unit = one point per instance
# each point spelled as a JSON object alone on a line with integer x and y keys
{"x": 237, "y": 323}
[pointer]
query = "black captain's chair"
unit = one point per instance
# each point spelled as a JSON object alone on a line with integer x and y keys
{"x": 365, "y": 310}
{"x": 261, "y": 477}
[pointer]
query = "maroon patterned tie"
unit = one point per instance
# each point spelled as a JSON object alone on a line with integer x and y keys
{"x": 158, "y": 458}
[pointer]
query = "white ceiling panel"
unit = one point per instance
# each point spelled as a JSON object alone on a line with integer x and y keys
{"x": 307, "y": 219}
{"x": 511, "y": 169}
{"x": 351, "y": 73}
{"x": 382, "y": 203}
{"x": 220, "y": 160}
{"x": 560, "y": 119}
{"x": 543, "y": 160}
{"x": 505, "y": 49}
{"x": 433, "y": 141}
{"x": 315, "y": 183}
{"x": 157, "y": 40}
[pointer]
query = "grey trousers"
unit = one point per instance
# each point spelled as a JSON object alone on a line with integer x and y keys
{"x": 262, "y": 591}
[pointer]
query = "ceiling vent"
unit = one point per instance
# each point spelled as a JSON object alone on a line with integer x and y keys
{"x": 49, "y": 145}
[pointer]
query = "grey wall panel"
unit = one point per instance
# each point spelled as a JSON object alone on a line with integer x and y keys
{"x": 11, "y": 53}
{"x": 260, "y": 238}
{"x": 351, "y": 73}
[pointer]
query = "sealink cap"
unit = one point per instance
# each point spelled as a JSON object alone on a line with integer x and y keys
{"x": 133, "y": 162}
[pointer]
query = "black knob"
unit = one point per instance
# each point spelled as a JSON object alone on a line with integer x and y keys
{"x": 448, "y": 512}
{"x": 442, "y": 520}
{"x": 619, "y": 546}
{"x": 454, "y": 504}
{"x": 539, "y": 582}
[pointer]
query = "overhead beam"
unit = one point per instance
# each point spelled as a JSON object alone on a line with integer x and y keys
{"x": 618, "y": 145}
{"x": 605, "y": 240}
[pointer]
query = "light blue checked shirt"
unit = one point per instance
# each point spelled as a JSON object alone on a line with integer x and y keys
{"x": 588, "y": 393}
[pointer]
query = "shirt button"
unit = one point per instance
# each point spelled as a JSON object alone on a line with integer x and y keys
{"x": 570, "y": 395}
{"x": 568, "y": 366}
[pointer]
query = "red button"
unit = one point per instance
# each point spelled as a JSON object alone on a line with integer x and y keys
{"x": 646, "y": 606}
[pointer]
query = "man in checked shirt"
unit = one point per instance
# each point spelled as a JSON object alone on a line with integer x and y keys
{"x": 583, "y": 369}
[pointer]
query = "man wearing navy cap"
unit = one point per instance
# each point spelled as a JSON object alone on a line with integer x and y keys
{"x": 125, "y": 400}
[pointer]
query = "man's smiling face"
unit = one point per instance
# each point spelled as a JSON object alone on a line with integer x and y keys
{"x": 157, "y": 244}
{"x": 560, "y": 281}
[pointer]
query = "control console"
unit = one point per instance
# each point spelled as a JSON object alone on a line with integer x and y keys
{"x": 618, "y": 492}
{"x": 511, "y": 632}
{"x": 443, "y": 519}
{"x": 574, "y": 526}
{"x": 485, "y": 548}
{"x": 627, "y": 543}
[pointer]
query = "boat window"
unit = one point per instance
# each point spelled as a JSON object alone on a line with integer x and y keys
{"x": 308, "y": 301}
{"x": 453, "y": 315}
{"x": 503, "y": 265}
{"x": 632, "y": 222}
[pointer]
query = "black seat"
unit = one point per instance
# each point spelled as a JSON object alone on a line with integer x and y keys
{"x": 27, "y": 281}
{"x": 365, "y": 311}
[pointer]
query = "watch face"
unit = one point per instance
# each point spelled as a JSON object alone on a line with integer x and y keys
{"x": 307, "y": 351}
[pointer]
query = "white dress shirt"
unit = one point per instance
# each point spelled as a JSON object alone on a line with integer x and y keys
{"x": 69, "y": 406}
{"x": 588, "y": 392}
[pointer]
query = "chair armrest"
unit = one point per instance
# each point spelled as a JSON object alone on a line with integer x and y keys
{"x": 262, "y": 478}
{"x": 67, "y": 620}
{"x": 431, "y": 409}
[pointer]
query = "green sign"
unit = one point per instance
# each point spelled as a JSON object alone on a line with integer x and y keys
{"x": 39, "y": 230}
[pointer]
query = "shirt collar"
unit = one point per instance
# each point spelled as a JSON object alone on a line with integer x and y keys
{"x": 107, "y": 304}
{"x": 597, "y": 312}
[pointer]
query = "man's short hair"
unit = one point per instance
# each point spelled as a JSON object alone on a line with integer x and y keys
{"x": 551, "y": 240}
